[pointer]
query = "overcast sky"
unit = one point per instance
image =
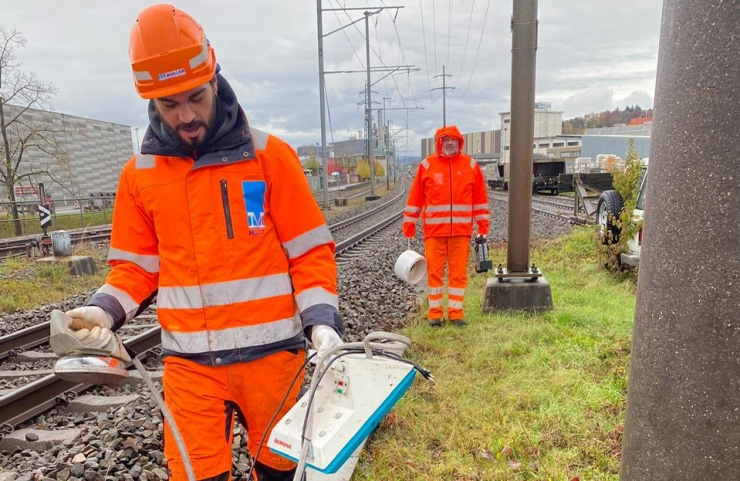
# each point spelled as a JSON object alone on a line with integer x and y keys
{"x": 593, "y": 55}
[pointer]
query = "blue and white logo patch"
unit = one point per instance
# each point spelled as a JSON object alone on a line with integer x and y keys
{"x": 254, "y": 202}
{"x": 168, "y": 75}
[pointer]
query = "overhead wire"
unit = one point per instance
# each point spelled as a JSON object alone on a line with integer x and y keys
{"x": 434, "y": 33}
{"x": 483, "y": 30}
{"x": 426, "y": 56}
{"x": 449, "y": 22}
{"x": 347, "y": 36}
{"x": 467, "y": 37}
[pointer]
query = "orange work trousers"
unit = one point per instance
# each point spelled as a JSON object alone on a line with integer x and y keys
{"x": 205, "y": 399}
{"x": 452, "y": 251}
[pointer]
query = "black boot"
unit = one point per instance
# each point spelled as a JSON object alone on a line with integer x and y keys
{"x": 266, "y": 473}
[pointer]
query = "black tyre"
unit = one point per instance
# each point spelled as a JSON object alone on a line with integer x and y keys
{"x": 607, "y": 214}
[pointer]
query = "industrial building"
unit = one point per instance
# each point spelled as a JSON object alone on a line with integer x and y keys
{"x": 614, "y": 140}
{"x": 96, "y": 151}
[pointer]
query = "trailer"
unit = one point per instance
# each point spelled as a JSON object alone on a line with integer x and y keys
{"x": 545, "y": 172}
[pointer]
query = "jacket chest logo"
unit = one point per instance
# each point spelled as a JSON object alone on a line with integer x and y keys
{"x": 254, "y": 201}
{"x": 439, "y": 178}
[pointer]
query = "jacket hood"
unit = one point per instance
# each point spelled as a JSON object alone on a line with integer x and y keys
{"x": 230, "y": 129}
{"x": 449, "y": 131}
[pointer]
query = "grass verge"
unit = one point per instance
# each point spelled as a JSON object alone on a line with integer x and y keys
{"x": 518, "y": 397}
{"x": 26, "y": 284}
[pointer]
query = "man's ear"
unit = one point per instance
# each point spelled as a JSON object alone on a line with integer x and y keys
{"x": 214, "y": 85}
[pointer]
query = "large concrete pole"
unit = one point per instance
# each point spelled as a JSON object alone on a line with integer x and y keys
{"x": 683, "y": 400}
{"x": 523, "y": 69}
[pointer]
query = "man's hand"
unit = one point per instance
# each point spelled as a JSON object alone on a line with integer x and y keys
{"x": 324, "y": 338}
{"x": 99, "y": 335}
{"x": 480, "y": 239}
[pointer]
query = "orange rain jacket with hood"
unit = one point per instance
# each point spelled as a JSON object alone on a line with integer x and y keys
{"x": 229, "y": 239}
{"x": 449, "y": 193}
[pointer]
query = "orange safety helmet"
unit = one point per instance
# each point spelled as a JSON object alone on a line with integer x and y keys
{"x": 169, "y": 52}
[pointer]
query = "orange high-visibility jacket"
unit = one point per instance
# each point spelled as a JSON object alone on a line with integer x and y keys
{"x": 233, "y": 245}
{"x": 449, "y": 193}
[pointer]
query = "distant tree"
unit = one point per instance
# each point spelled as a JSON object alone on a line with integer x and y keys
{"x": 379, "y": 170}
{"x": 363, "y": 170}
{"x": 313, "y": 166}
{"x": 20, "y": 136}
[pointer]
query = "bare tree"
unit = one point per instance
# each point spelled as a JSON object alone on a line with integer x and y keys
{"x": 26, "y": 126}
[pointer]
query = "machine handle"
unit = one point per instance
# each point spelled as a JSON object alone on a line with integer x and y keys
{"x": 78, "y": 324}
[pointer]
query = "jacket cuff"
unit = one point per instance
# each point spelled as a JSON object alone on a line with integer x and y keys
{"x": 110, "y": 305}
{"x": 321, "y": 314}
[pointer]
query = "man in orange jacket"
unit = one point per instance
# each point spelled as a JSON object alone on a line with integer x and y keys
{"x": 217, "y": 220}
{"x": 449, "y": 193}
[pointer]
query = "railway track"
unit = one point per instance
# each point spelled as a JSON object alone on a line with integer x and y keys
{"x": 38, "y": 396}
{"x": 547, "y": 208}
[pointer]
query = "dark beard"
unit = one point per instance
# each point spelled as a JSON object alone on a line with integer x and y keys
{"x": 208, "y": 128}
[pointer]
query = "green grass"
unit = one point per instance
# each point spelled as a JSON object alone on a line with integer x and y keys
{"x": 31, "y": 224}
{"x": 26, "y": 284}
{"x": 518, "y": 397}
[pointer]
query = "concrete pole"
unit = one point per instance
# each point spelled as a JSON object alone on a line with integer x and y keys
{"x": 322, "y": 101}
{"x": 523, "y": 68}
{"x": 369, "y": 110}
{"x": 682, "y": 420}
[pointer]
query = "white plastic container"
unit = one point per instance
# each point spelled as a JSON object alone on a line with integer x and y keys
{"x": 411, "y": 267}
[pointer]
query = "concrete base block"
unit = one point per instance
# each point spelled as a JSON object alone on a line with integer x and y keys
{"x": 37, "y": 439}
{"x": 99, "y": 404}
{"x": 370, "y": 198}
{"x": 77, "y": 265}
{"x": 517, "y": 295}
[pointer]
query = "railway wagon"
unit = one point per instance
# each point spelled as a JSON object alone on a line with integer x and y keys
{"x": 544, "y": 169}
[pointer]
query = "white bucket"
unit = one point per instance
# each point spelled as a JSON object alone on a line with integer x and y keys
{"x": 411, "y": 267}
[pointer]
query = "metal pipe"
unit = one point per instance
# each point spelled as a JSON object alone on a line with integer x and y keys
{"x": 523, "y": 69}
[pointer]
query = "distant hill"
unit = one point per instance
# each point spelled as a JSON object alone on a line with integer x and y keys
{"x": 578, "y": 125}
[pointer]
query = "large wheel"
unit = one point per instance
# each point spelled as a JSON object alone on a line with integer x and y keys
{"x": 607, "y": 212}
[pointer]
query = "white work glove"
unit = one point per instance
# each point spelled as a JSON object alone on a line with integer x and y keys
{"x": 324, "y": 338}
{"x": 99, "y": 336}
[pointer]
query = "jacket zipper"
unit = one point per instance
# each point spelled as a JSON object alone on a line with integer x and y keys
{"x": 227, "y": 209}
{"x": 451, "y": 211}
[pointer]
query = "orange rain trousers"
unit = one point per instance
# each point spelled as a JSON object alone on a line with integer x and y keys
{"x": 204, "y": 399}
{"x": 452, "y": 251}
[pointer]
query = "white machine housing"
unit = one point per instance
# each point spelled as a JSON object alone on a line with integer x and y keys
{"x": 350, "y": 401}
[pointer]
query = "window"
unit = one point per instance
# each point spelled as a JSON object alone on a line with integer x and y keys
{"x": 573, "y": 143}
{"x": 506, "y": 148}
{"x": 544, "y": 146}
{"x": 558, "y": 144}
{"x": 506, "y": 121}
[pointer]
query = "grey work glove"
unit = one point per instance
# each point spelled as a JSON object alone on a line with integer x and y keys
{"x": 98, "y": 336}
{"x": 324, "y": 338}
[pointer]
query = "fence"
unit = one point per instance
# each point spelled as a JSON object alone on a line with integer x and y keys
{"x": 79, "y": 212}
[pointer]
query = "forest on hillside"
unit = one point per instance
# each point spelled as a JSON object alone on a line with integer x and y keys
{"x": 607, "y": 118}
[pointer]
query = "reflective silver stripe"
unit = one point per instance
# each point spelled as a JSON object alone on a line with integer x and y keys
{"x": 142, "y": 75}
{"x": 316, "y": 296}
{"x": 435, "y": 290}
{"x": 412, "y": 209}
{"x": 129, "y": 305}
{"x": 224, "y": 293}
{"x": 435, "y": 303}
{"x": 409, "y": 219}
{"x": 232, "y": 338}
{"x": 145, "y": 161}
{"x": 201, "y": 57}
{"x": 480, "y": 207}
{"x": 456, "y": 291}
{"x": 149, "y": 263}
{"x": 425, "y": 163}
{"x": 259, "y": 138}
{"x": 308, "y": 240}
{"x": 472, "y": 163}
{"x": 481, "y": 217}
{"x": 446, "y": 208}
{"x": 446, "y": 220}
{"x": 454, "y": 304}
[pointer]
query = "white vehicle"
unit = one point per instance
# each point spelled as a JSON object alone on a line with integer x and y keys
{"x": 610, "y": 206}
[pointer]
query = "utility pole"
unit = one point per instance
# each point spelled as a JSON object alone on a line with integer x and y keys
{"x": 444, "y": 94}
{"x": 322, "y": 101}
{"x": 520, "y": 287}
{"x": 369, "y": 111}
